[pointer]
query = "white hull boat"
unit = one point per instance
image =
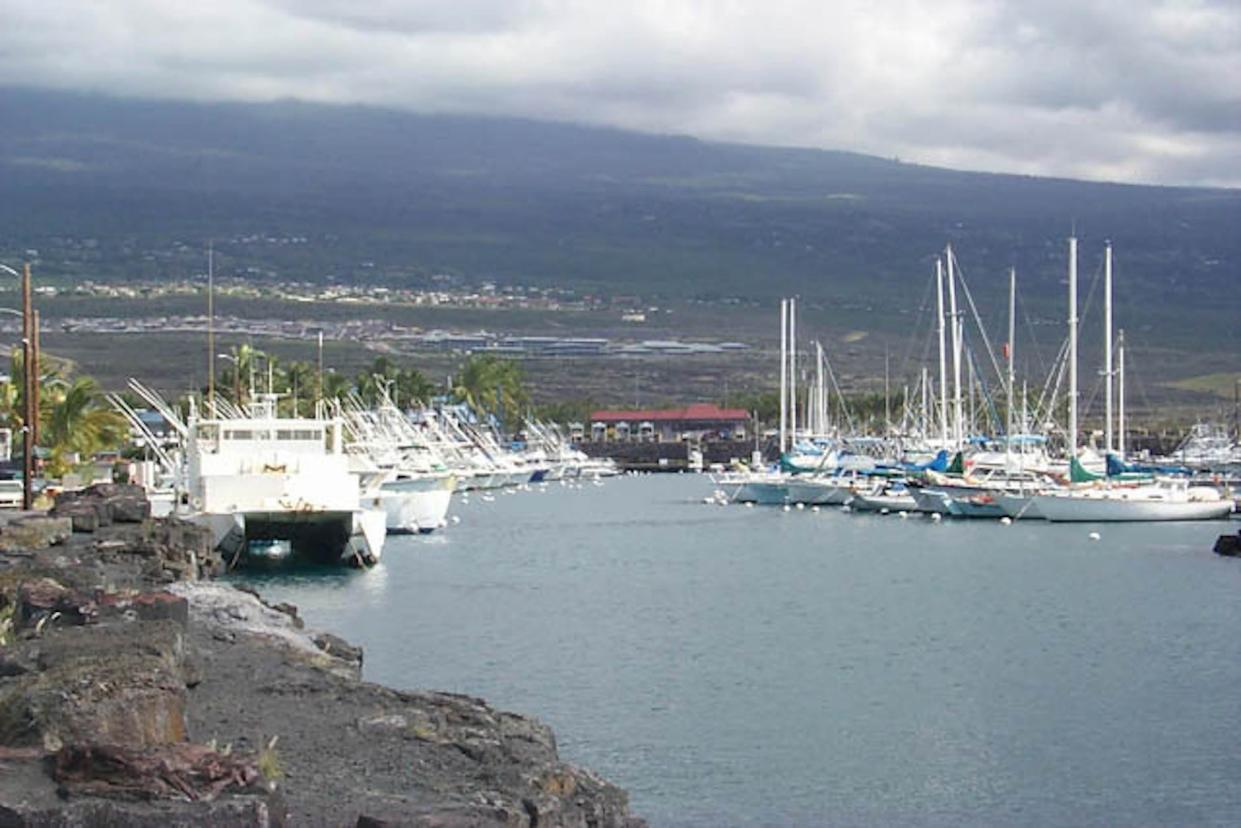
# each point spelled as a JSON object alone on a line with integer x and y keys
{"x": 417, "y": 503}
{"x": 1145, "y": 503}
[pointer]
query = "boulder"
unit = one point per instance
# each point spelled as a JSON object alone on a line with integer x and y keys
{"x": 121, "y": 684}
{"x": 109, "y": 502}
{"x": 1229, "y": 545}
{"x": 29, "y": 531}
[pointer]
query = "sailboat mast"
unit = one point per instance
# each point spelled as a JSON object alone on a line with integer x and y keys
{"x": 784, "y": 367}
{"x": 887, "y": 395}
{"x": 924, "y": 423}
{"x": 1107, "y": 343}
{"x": 820, "y": 412}
{"x": 1072, "y": 441}
{"x": 1120, "y": 376}
{"x": 792, "y": 372}
{"x": 956, "y": 350}
{"x": 1012, "y": 349}
{"x": 943, "y": 370}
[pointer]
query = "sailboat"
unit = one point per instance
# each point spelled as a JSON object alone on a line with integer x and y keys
{"x": 1092, "y": 498}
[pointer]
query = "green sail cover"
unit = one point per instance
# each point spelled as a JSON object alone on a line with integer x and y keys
{"x": 958, "y": 465}
{"x": 1078, "y": 473}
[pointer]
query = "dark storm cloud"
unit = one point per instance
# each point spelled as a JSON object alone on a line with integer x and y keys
{"x": 1136, "y": 91}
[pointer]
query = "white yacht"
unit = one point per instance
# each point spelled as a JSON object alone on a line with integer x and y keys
{"x": 417, "y": 487}
{"x": 1170, "y": 499}
{"x": 273, "y": 488}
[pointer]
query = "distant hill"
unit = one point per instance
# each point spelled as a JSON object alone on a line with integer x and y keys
{"x": 106, "y": 188}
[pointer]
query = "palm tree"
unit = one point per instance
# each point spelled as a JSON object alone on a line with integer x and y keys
{"x": 488, "y": 383}
{"x": 239, "y": 371}
{"x": 298, "y": 380}
{"x": 79, "y": 423}
{"x": 335, "y": 385}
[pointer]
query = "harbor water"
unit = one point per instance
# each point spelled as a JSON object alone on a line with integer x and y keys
{"x": 752, "y": 666}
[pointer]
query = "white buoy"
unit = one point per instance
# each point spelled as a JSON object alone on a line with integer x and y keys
{"x": 1095, "y": 536}
{"x": 801, "y": 506}
{"x": 1006, "y": 520}
{"x": 814, "y": 508}
{"x": 787, "y": 508}
{"x": 456, "y": 519}
{"x": 708, "y": 500}
{"x": 749, "y": 504}
{"x": 902, "y": 514}
{"x": 885, "y": 510}
{"x": 936, "y": 517}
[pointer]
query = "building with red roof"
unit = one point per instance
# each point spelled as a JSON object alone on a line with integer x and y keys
{"x": 699, "y": 421}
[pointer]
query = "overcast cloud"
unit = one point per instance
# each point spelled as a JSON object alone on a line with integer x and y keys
{"x": 1123, "y": 90}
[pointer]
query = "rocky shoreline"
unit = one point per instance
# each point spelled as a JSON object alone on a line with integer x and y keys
{"x": 134, "y": 690}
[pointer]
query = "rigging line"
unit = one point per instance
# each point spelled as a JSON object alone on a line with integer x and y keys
{"x": 1040, "y": 359}
{"x": 923, "y": 313}
{"x": 969, "y": 297}
{"x": 986, "y": 391}
{"x": 1047, "y": 403}
{"x": 1090, "y": 296}
{"x": 844, "y": 406}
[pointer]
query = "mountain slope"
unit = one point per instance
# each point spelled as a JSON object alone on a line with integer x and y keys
{"x": 383, "y": 195}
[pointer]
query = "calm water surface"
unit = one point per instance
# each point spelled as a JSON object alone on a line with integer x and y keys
{"x": 748, "y": 666}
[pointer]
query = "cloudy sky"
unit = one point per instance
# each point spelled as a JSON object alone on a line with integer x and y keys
{"x": 1123, "y": 90}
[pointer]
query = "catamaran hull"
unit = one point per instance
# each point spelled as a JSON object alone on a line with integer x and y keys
{"x": 1077, "y": 509}
{"x": 353, "y": 538}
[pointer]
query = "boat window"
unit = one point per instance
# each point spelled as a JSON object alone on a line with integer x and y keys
{"x": 299, "y": 434}
{"x": 239, "y": 434}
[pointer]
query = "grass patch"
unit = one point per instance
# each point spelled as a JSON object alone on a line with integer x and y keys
{"x": 1221, "y": 384}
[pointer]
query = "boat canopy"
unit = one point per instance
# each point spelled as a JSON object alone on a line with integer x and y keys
{"x": 1117, "y": 467}
{"x": 1079, "y": 474}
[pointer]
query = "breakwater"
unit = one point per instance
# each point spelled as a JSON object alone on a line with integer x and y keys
{"x": 136, "y": 690}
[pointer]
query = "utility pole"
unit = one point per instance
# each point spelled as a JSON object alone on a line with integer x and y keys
{"x": 30, "y": 368}
{"x": 37, "y": 359}
{"x": 319, "y": 395}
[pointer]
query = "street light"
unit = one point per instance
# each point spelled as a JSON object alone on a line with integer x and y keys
{"x": 30, "y": 368}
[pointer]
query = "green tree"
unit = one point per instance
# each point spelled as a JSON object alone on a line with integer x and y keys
{"x": 335, "y": 385}
{"x": 297, "y": 383}
{"x": 488, "y": 383}
{"x": 80, "y": 423}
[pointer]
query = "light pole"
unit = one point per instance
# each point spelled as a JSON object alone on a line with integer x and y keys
{"x": 236, "y": 377}
{"x": 30, "y": 371}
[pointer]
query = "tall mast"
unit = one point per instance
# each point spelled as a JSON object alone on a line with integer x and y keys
{"x": 784, "y": 368}
{"x": 1072, "y": 442}
{"x": 1107, "y": 343}
{"x": 956, "y": 350}
{"x": 1012, "y": 338}
{"x": 887, "y": 395}
{"x": 924, "y": 422}
{"x": 1120, "y": 375}
{"x": 210, "y": 329}
{"x": 820, "y": 412}
{"x": 792, "y": 372}
{"x": 943, "y": 370}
